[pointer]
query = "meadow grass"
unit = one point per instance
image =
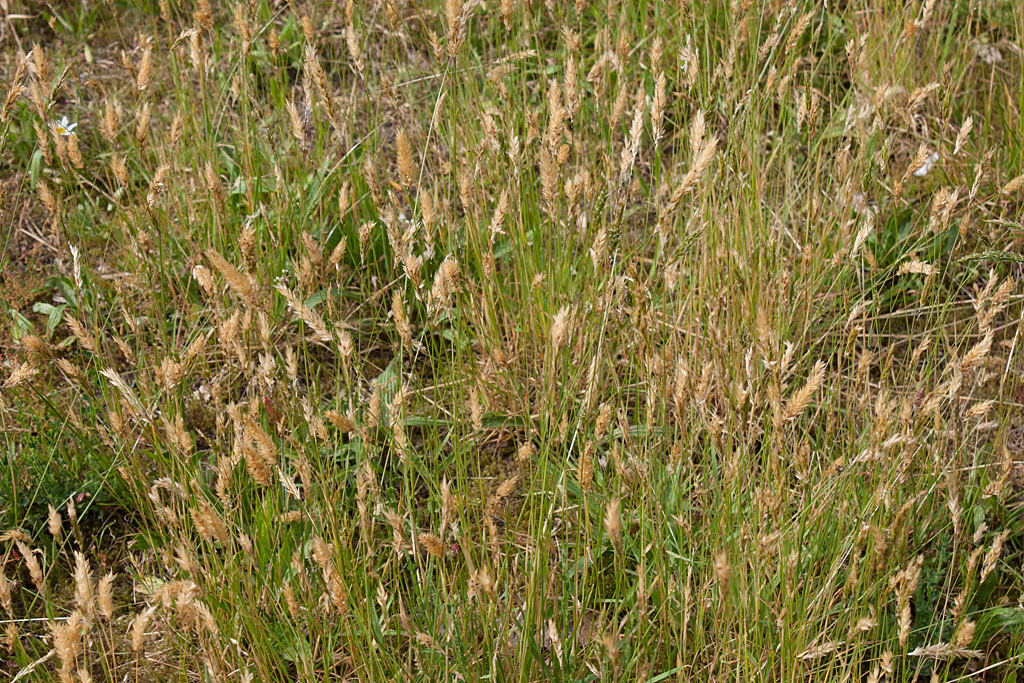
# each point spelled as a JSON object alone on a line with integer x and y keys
{"x": 512, "y": 341}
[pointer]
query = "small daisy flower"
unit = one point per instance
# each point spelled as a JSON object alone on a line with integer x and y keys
{"x": 65, "y": 127}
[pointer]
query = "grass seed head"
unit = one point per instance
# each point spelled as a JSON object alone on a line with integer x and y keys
{"x": 406, "y": 165}
{"x": 105, "y": 595}
{"x": 6, "y": 587}
{"x": 613, "y": 524}
{"x": 723, "y": 571}
{"x": 84, "y": 595}
{"x": 35, "y": 569}
{"x": 559, "y": 329}
{"x": 137, "y": 630}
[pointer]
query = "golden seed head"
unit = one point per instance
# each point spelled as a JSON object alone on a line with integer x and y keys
{"x": 406, "y": 165}
{"x": 84, "y": 596}
{"x": 723, "y": 570}
{"x": 559, "y": 329}
{"x": 137, "y": 631}
{"x": 6, "y": 586}
{"x": 53, "y": 522}
{"x": 145, "y": 71}
{"x": 613, "y": 524}
{"x": 105, "y": 595}
{"x": 432, "y": 544}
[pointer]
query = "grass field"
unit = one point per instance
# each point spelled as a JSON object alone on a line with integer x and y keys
{"x": 512, "y": 340}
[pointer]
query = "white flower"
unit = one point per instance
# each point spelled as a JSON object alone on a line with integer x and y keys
{"x": 929, "y": 162}
{"x": 65, "y": 127}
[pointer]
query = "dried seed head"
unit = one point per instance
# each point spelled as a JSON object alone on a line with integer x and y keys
{"x": 432, "y": 544}
{"x": 242, "y": 28}
{"x": 802, "y": 397}
{"x": 525, "y": 452}
{"x": 722, "y": 571}
{"x": 1014, "y": 185}
{"x": 338, "y": 252}
{"x": 6, "y": 586}
{"x": 631, "y": 148}
{"x": 120, "y": 170}
{"x": 289, "y": 599}
{"x": 35, "y": 569}
{"x": 449, "y": 505}
{"x": 41, "y": 64}
{"x": 323, "y": 555}
{"x": 137, "y": 631}
{"x": 396, "y": 523}
{"x": 977, "y": 353}
{"x": 43, "y": 142}
{"x": 446, "y": 283}
{"x": 486, "y": 583}
{"x": 354, "y": 51}
{"x": 242, "y": 284}
{"x": 964, "y": 635}
{"x": 658, "y": 108}
{"x": 346, "y": 346}
{"x": 145, "y": 71}
{"x": 604, "y": 417}
{"x": 21, "y": 373}
{"x": 961, "y": 137}
{"x": 131, "y": 401}
{"x": 613, "y": 524}
{"x": 401, "y": 319}
{"x": 67, "y": 641}
{"x": 548, "y": 177}
{"x": 16, "y": 89}
{"x": 559, "y": 328}
{"x": 307, "y": 314}
{"x": 111, "y": 122}
{"x": 798, "y": 31}
{"x": 342, "y": 422}
{"x": 263, "y": 444}
{"x": 586, "y": 466}
{"x": 992, "y": 556}
{"x": 74, "y": 153}
{"x": 209, "y": 523}
{"x": 476, "y": 410}
{"x": 298, "y": 130}
{"x": 48, "y": 199}
{"x": 702, "y": 160}
{"x": 503, "y": 491}
{"x": 84, "y": 595}
{"x": 507, "y": 7}
{"x": 142, "y": 117}
{"x": 406, "y": 165}
{"x": 105, "y": 595}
